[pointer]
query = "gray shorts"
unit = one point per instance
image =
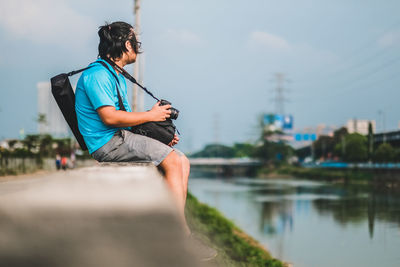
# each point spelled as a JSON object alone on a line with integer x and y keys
{"x": 127, "y": 146}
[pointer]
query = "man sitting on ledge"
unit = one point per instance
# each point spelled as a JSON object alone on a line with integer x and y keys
{"x": 105, "y": 126}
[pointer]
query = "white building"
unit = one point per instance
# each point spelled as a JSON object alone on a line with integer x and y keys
{"x": 360, "y": 126}
{"x": 54, "y": 122}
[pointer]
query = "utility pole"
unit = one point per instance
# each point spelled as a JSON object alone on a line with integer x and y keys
{"x": 383, "y": 123}
{"x": 141, "y": 79}
{"x": 137, "y": 96}
{"x": 279, "y": 98}
{"x": 370, "y": 141}
{"x": 382, "y": 118}
{"x": 216, "y": 128}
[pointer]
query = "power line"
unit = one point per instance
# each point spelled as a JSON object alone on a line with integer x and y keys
{"x": 363, "y": 62}
{"x": 347, "y": 69}
{"x": 371, "y": 41}
{"x": 369, "y": 74}
{"x": 380, "y": 68}
{"x": 364, "y": 87}
{"x": 347, "y": 85}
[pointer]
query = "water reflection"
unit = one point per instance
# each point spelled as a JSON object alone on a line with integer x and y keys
{"x": 345, "y": 206}
{"x": 300, "y": 221}
{"x": 358, "y": 209}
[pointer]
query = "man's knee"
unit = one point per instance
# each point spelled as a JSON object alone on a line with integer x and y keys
{"x": 172, "y": 160}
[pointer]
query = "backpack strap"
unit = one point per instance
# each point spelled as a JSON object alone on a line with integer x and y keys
{"x": 77, "y": 71}
{"x": 120, "y": 102}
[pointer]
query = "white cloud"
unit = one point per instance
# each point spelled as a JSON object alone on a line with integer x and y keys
{"x": 183, "y": 36}
{"x": 45, "y": 22}
{"x": 265, "y": 39}
{"x": 389, "y": 39}
{"x": 265, "y": 45}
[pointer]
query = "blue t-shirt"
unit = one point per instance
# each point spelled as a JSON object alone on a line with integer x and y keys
{"x": 96, "y": 88}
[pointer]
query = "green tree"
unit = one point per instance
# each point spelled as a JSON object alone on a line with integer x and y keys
{"x": 324, "y": 146}
{"x": 397, "y": 155}
{"x": 41, "y": 118}
{"x": 46, "y": 146}
{"x": 273, "y": 152}
{"x": 63, "y": 146}
{"x": 31, "y": 143}
{"x": 243, "y": 150}
{"x": 11, "y": 143}
{"x": 384, "y": 153}
{"x": 215, "y": 151}
{"x": 370, "y": 141}
{"x": 339, "y": 138}
{"x": 353, "y": 148}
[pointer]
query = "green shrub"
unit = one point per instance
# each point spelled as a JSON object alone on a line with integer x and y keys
{"x": 384, "y": 153}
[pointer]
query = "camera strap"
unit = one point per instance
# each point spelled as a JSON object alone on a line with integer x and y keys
{"x": 120, "y": 102}
{"x": 129, "y": 77}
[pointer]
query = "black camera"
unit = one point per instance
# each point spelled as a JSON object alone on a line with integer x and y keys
{"x": 174, "y": 112}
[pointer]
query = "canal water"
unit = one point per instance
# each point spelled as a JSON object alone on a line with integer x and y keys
{"x": 307, "y": 223}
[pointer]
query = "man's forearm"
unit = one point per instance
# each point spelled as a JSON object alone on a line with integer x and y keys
{"x": 127, "y": 119}
{"x": 118, "y": 118}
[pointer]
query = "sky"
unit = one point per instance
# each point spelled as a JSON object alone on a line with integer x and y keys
{"x": 216, "y": 60}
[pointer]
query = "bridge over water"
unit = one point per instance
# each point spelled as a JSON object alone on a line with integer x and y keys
{"x": 225, "y": 167}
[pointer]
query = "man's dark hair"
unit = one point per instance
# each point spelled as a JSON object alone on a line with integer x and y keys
{"x": 113, "y": 37}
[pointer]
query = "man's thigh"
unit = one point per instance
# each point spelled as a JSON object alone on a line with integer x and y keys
{"x": 127, "y": 146}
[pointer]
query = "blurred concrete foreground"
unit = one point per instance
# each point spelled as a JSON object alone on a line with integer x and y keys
{"x": 107, "y": 215}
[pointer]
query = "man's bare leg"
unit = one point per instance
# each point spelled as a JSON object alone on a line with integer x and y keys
{"x": 172, "y": 166}
{"x": 204, "y": 251}
{"x": 185, "y": 175}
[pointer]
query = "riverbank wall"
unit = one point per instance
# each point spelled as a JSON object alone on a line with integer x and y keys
{"x": 59, "y": 196}
{"x": 378, "y": 179}
{"x": 15, "y": 166}
{"x": 106, "y": 215}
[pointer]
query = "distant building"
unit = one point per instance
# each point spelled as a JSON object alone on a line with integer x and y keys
{"x": 360, "y": 126}
{"x": 305, "y": 136}
{"x": 326, "y": 130}
{"x": 50, "y": 118}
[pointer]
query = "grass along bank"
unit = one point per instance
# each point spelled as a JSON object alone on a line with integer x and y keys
{"x": 235, "y": 248}
{"x": 355, "y": 176}
{"x": 376, "y": 180}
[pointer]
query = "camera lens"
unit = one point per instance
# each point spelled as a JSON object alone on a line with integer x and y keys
{"x": 174, "y": 114}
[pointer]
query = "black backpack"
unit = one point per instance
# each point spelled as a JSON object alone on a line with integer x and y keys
{"x": 64, "y": 95}
{"x": 163, "y": 131}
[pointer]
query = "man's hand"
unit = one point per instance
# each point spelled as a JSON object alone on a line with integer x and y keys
{"x": 160, "y": 113}
{"x": 174, "y": 141}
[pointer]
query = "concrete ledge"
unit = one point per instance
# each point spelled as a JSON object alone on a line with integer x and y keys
{"x": 106, "y": 215}
{"x": 136, "y": 163}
